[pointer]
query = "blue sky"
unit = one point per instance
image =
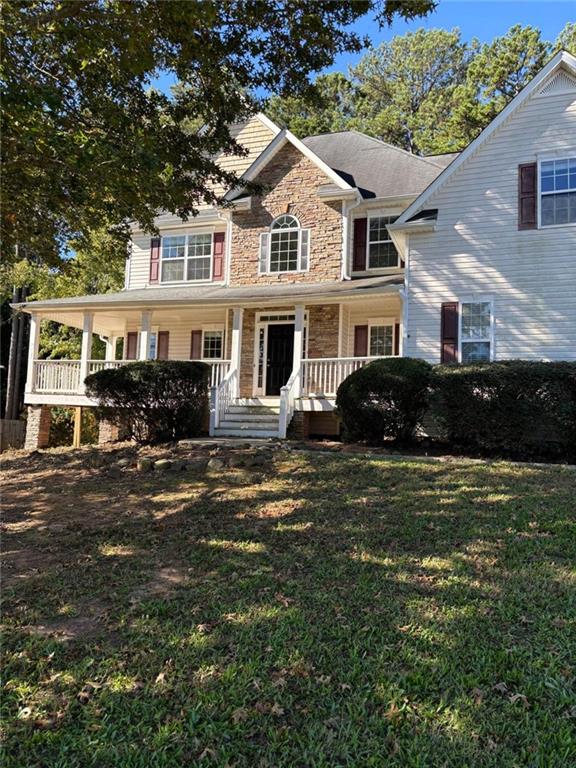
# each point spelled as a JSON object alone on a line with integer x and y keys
{"x": 484, "y": 19}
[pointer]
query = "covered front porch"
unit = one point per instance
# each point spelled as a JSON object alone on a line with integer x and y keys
{"x": 283, "y": 355}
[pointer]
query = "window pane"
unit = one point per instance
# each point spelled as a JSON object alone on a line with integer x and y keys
{"x": 200, "y": 245}
{"x": 212, "y": 347}
{"x": 476, "y": 320}
{"x": 153, "y": 347}
{"x": 172, "y": 270}
{"x": 382, "y": 255}
{"x": 284, "y": 251}
{"x": 285, "y": 222}
{"x": 558, "y": 209}
{"x": 173, "y": 247}
{"x": 475, "y": 351}
{"x": 199, "y": 269}
{"x": 380, "y": 340}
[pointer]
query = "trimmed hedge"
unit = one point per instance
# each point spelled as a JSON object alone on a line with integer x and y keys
{"x": 514, "y": 408}
{"x": 156, "y": 401}
{"x": 384, "y": 400}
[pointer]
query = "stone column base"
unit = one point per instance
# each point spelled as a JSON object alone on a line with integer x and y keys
{"x": 107, "y": 432}
{"x": 37, "y": 427}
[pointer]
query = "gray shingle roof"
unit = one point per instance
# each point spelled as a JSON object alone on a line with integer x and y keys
{"x": 376, "y": 168}
{"x": 220, "y": 294}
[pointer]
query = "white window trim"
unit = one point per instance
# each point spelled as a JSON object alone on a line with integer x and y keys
{"x": 379, "y": 322}
{"x": 211, "y": 329}
{"x": 380, "y": 216}
{"x": 545, "y": 158}
{"x": 270, "y": 232}
{"x": 188, "y": 234}
{"x": 491, "y": 336}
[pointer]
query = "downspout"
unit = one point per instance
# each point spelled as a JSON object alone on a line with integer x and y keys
{"x": 406, "y": 295}
{"x": 347, "y": 207}
{"x": 227, "y": 217}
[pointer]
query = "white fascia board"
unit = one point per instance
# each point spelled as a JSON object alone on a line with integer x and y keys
{"x": 332, "y": 192}
{"x": 560, "y": 59}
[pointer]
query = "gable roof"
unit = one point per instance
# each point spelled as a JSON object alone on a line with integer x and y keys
{"x": 378, "y": 169}
{"x": 281, "y": 139}
{"x": 562, "y": 59}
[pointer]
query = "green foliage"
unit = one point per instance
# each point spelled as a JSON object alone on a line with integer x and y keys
{"x": 62, "y": 426}
{"x": 514, "y": 408}
{"x": 427, "y": 91}
{"x": 384, "y": 400}
{"x": 87, "y": 140}
{"x": 164, "y": 400}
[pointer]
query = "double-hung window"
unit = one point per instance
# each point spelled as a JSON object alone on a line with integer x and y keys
{"x": 212, "y": 345}
{"x": 381, "y": 341}
{"x": 186, "y": 257}
{"x": 285, "y": 247}
{"x": 382, "y": 252}
{"x": 558, "y": 192}
{"x": 475, "y": 331}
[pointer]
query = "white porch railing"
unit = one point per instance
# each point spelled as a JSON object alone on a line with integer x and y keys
{"x": 62, "y": 377}
{"x": 222, "y": 396}
{"x": 57, "y": 376}
{"x": 287, "y": 398}
{"x": 323, "y": 376}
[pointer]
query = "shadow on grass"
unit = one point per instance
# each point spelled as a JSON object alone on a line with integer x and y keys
{"x": 333, "y": 611}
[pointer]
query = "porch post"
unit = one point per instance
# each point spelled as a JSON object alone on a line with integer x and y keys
{"x": 32, "y": 352}
{"x": 111, "y": 347}
{"x": 86, "y": 353}
{"x": 145, "y": 328}
{"x": 236, "y": 351}
{"x": 298, "y": 344}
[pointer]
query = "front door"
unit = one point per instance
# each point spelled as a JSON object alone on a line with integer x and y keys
{"x": 279, "y": 357}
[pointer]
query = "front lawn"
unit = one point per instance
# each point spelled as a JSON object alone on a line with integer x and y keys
{"x": 331, "y": 611}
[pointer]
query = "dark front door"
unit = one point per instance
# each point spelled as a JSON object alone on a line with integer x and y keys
{"x": 279, "y": 357}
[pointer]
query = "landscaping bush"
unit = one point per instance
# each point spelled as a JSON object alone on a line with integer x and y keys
{"x": 154, "y": 401}
{"x": 385, "y": 399}
{"x": 514, "y": 408}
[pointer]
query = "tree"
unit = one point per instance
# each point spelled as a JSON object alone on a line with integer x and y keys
{"x": 87, "y": 140}
{"x": 566, "y": 40}
{"x": 330, "y": 107}
{"x": 406, "y": 88}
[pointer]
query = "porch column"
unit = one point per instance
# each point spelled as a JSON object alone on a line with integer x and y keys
{"x": 32, "y": 352}
{"x": 145, "y": 330}
{"x": 86, "y": 352}
{"x": 298, "y": 344}
{"x": 236, "y": 350}
{"x": 111, "y": 348}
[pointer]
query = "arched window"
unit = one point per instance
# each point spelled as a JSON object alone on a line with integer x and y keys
{"x": 285, "y": 247}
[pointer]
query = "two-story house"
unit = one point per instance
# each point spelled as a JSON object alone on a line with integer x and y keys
{"x": 355, "y": 250}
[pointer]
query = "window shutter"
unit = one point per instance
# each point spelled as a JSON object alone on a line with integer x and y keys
{"x": 154, "y": 259}
{"x": 196, "y": 345}
{"x": 527, "y": 191}
{"x": 304, "y": 248}
{"x": 163, "y": 345}
{"x": 218, "y": 243}
{"x": 359, "y": 246}
{"x": 360, "y": 340}
{"x": 264, "y": 249}
{"x": 396, "y": 339}
{"x": 449, "y": 332}
{"x": 131, "y": 345}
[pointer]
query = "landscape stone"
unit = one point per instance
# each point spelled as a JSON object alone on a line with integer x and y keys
{"x": 162, "y": 464}
{"x": 216, "y": 463}
{"x": 124, "y": 463}
{"x": 144, "y": 464}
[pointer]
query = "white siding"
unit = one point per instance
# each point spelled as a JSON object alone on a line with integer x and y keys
{"x": 477, "y": 248}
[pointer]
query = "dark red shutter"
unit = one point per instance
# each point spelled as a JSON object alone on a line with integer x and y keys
{"x": 218, "y": 271}
{"x": 131, "y": 345}
{"x": 163, "y": 345}
{"x": 359, "y": 246}
{"x": 527, "y": 192}
{"x": 360, "y": 340}
{"x": 196, "y": 345}
{"x": 396, "y": 339}
{"x": 449, "y": 332}
{"x": 154, "y": 259}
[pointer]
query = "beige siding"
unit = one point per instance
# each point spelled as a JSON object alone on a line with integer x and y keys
{"x": 386, "y": 309}
{"x": 477, "y": 248}
{"x": 181, "y": 327}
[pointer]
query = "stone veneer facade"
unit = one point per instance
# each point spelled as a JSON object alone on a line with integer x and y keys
{"x": 37, "y": 427}
{"x": 291, "y": 181}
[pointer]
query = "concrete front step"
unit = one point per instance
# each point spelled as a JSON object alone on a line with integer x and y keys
{"x": 253, "y": 418}
{"x": 250, "y": 426}
{"x": 255, "y": 409}
{"x": 244, "y": 432}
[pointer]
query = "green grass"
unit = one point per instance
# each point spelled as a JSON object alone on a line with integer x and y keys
{"x": 338, "y": 611}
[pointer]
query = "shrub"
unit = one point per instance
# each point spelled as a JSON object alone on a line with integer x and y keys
{"x": 515, "y": 408}
{"x": 155, "y": 401}
{"x": 384, "y": 400}
{"x": 62, "y": 426}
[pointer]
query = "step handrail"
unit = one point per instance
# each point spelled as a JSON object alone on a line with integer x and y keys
{"x": 287, "y": 401}
{"x": 221, "y": 397}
